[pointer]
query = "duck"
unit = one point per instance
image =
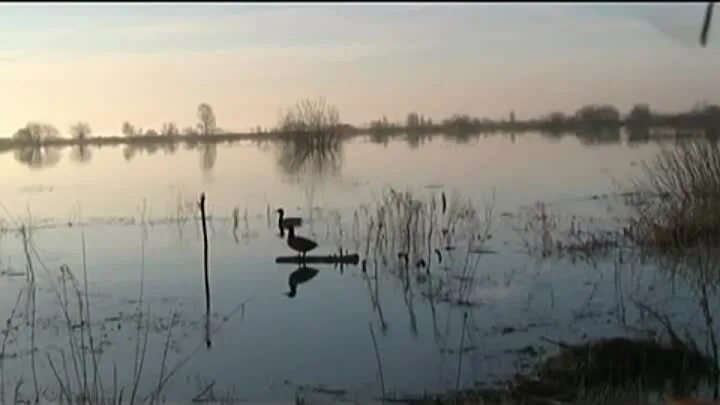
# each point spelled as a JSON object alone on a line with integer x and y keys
{"x": 286, "y": 222}
{"x": 299, "y": 243}
{"x": 299, "y": 276}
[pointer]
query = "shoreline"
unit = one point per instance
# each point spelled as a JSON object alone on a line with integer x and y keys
{"x": 346, "y": 133}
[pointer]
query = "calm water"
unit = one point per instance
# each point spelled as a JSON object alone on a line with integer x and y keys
{"x": 265, "y": 344}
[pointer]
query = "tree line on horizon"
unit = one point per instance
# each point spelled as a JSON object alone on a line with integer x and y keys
{"x": 37, "y": 132}
{"x": 316, "y": 116}
{"x": 588, "y": 117}
{"x": 308, "y": 136}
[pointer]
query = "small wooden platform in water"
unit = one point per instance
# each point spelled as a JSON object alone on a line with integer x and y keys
{"x": 329, "y": 259}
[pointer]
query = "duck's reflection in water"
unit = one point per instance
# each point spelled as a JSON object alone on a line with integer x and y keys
{"x": 299, "y": 276}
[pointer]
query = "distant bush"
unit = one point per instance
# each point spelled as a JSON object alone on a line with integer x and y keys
{"x": 598, "y": 115}
{"x": 640, "y": 115}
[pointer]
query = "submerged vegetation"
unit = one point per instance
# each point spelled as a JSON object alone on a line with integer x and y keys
{"x": 77, "y": 364}
{"x": 415, "y": 238}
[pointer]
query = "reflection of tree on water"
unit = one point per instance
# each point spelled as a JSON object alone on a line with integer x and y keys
{"x": 37, "y": 156}
{"x": 131, "y": 149}
{"x": 298, "y": 158}
{"x": 208, "y": 156}
{"x": 81, "y": 153}
{"x": 169, "y": 148}
{"x": 208, "y": 153}
{"x": 415, "y": 139}
{"x": 599, "y": 136}
{"x": 381, "y": 138}
{"x": 638, "y": 135}
{"x": 129, "y": 152}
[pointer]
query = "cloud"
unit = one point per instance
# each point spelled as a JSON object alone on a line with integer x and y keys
{"x": 487, "y": 28}
{"x": 682, "y": 25}
{"x": 677, "y": 23}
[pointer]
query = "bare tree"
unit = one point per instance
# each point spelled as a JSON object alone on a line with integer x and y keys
{"x": 206, "y": 116}
{"x": 36, "y": 133}
{"x": 169, "y": 129}
{"x": 129, "y": 130}
{"x": 80, "y": 131}
{"x": 412, "y": 121}
{"x": 313, "y": 120}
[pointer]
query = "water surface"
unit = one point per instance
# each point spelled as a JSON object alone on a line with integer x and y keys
{"x": 137, "y": 213}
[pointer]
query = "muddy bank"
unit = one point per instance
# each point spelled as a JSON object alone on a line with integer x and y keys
{"x": 615, "y": 370}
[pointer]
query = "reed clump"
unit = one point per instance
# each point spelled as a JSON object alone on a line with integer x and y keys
{"x": 546, "y": 233}
{"x": 434, "y": 241}
{"x": 680, "y": 198}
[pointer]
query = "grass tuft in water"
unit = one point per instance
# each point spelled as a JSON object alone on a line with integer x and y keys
{"x": 680, "y": 197}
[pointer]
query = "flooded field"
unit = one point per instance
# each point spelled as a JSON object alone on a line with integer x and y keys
{"x": 478, "y": 259}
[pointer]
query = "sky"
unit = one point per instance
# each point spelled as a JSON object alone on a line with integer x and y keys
{"x": 149, "y": 63}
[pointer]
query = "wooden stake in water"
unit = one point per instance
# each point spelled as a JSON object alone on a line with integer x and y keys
{"x": 206, "y": 269}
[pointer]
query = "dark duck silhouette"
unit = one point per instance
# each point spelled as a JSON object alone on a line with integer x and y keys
{"x": 299, "y": 244}
{"x": 284, "y": 222}
{"x": 299, "y": 276}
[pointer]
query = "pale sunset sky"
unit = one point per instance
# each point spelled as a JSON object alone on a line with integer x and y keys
{"x": 106, "y": 63}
